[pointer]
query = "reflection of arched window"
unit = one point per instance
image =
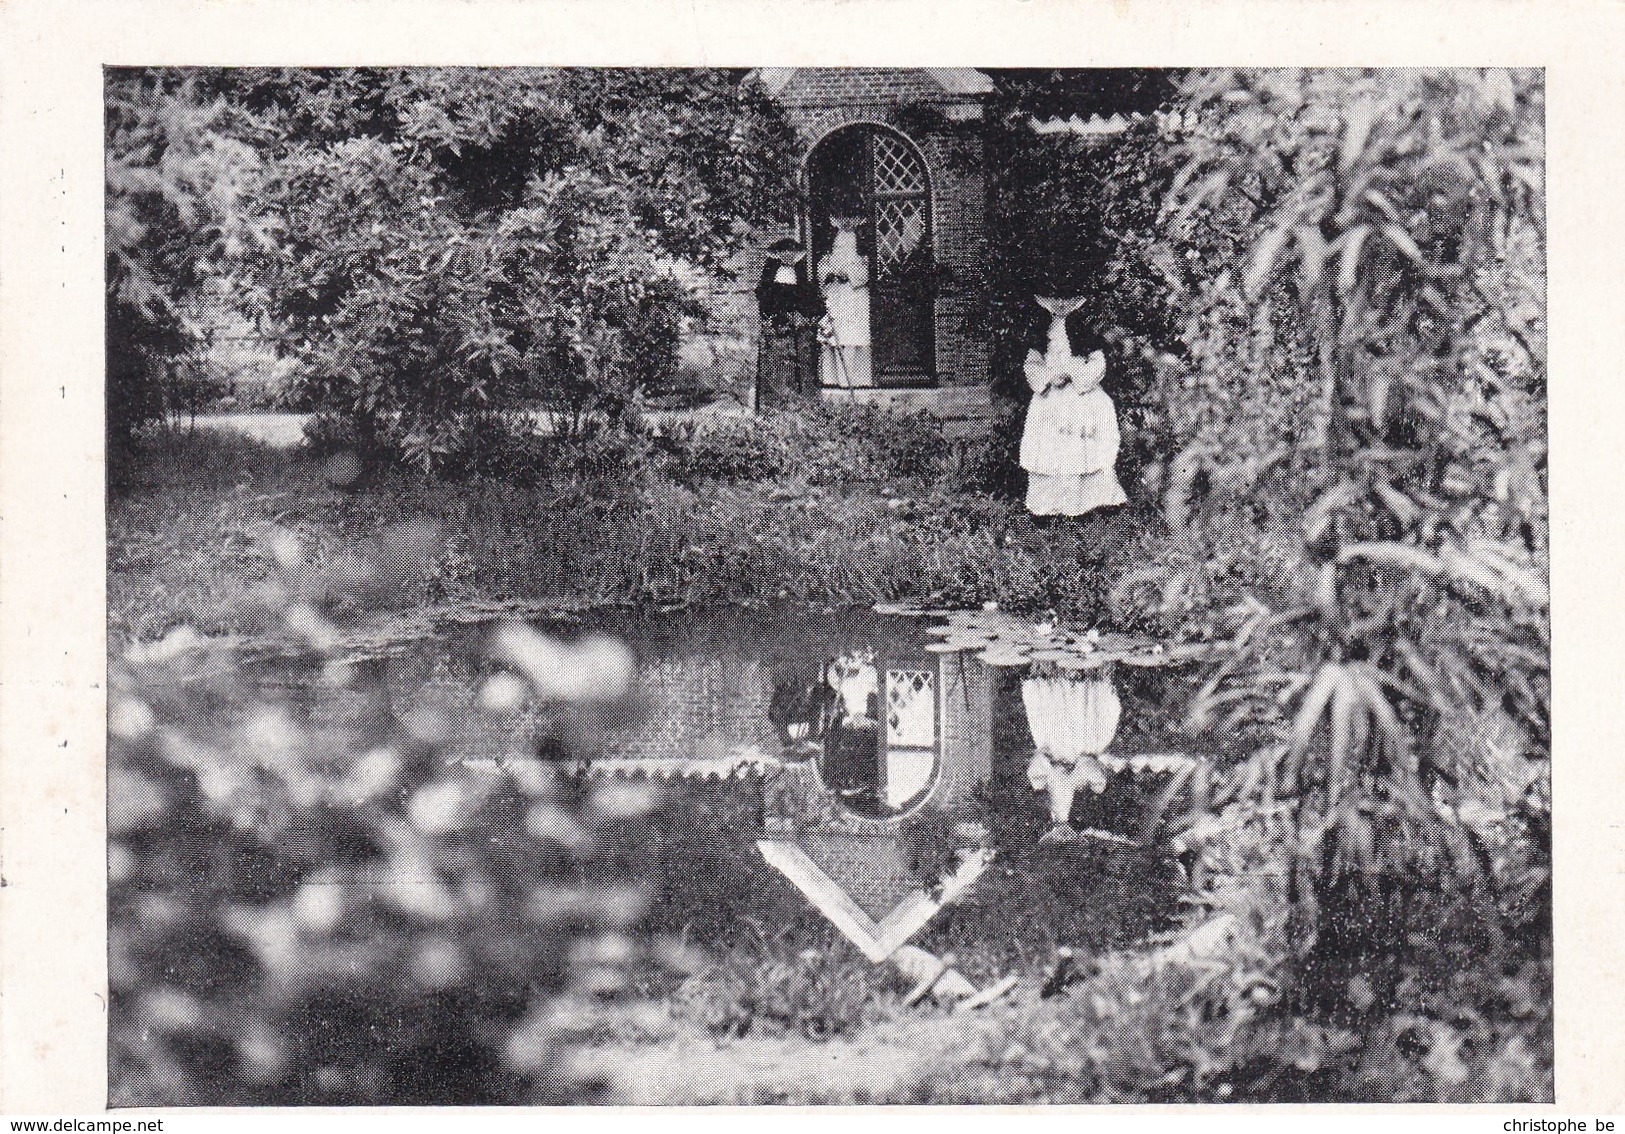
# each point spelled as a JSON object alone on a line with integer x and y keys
{"x": 856, "y": 683}
{"x": 851, "y": 759}
{"x": 872, "y": 724}
{"x": 880, "y": 177}
{"x": 880, "y": 754}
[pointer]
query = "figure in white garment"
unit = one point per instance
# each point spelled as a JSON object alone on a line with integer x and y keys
{"x": 843, "y": 276}
{"x": 1069, "y": 445}
{"x": 1073, "y": 721}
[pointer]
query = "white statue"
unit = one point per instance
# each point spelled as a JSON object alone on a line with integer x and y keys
{"x": 843, "y": 276}
{"x": 1069, "y": 446}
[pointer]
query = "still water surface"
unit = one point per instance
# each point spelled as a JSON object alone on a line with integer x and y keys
{"x": 856, "y": 740}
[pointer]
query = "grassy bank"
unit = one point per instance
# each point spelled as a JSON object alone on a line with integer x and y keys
{"x": 807, "y": 511}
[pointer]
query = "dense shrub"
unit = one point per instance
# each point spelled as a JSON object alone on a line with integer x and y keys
{"x": 776, "y": 987}
{"x": 1359, "y": 495}
{"x": 176, "y": 217}
{"x": 1222, "y": 1031}
{"x": 888, "y": 445}
{"x": 446, "y": 241}
{"x": 989, "y": 462}
{"x": 735, "y": 449}
{"x": 814, "y": 442}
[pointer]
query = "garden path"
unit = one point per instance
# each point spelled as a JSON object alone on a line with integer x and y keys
{"x": 880, "y": 1063}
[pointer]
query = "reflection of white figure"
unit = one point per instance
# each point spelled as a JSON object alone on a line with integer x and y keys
{"x": 856, "y": 682}
{"x": 1072, "y": 722}
{"x": 1069, "y": 445}
{"x": 843, "y": 275}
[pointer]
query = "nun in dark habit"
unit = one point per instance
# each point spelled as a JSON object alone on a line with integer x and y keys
{"x": 790, "y": 307}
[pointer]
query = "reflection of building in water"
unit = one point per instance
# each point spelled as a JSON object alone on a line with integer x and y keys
{"x": 863, "y": 740}
{"x": 930, "y": 747}
{"x": 867, "y": 737}
{"x": 881, "y": 735}
{"x": 875, "y": 731}
{"x": 698, "y": 708}
{"x": 834, "y": 821}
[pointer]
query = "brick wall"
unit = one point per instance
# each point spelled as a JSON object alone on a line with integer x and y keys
{"x": 823, "y": 86}
{"x": 967, "y": 732}
{"x": 963, "y": 358}
{"x": 820, "y": 100}
{"x": 871, "y": 868}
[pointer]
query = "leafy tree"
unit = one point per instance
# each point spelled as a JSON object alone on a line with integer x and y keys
{"x": 178, "y": 179}
{"x": 1362, "y": 488}
{"x": 452, "y": 241}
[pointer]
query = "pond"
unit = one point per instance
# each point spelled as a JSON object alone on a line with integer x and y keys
{"x": 834, "y": 788}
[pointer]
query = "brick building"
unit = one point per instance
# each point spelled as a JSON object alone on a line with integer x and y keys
{"x": 903, "y": 150}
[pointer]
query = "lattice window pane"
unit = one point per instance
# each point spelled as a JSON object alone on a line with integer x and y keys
{"x": 911, "y": 708}
{"x": 897, "y": 169}
{"x": 899, "y": 228}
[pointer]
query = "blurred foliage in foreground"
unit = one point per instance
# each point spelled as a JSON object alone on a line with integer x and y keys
{"x": 330, "y": 907}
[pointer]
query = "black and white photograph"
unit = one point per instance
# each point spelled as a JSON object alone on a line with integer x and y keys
{"x": 827, "y": 585}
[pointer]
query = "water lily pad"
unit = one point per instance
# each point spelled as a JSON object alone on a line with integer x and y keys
{"x": 944, "y": 648}
{"x": 1051, "y": 653}
{"x": 1004, "y": 658}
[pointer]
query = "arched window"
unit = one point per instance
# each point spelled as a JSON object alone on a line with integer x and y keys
{"x": 878, "y": 175}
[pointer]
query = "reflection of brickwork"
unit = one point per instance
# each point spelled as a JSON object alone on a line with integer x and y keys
{"x": 699, "y": 707}
{"x": 871, "y": 868}
{"x": 967, "y": 732}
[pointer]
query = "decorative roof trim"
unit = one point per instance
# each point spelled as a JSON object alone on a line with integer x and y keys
{"x": 1097, "y": 127}
{"x": 745, "y": 764}
{"x": 1094, "y": 127}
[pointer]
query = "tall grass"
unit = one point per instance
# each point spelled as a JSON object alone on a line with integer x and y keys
{"x": 608, "y": 533}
